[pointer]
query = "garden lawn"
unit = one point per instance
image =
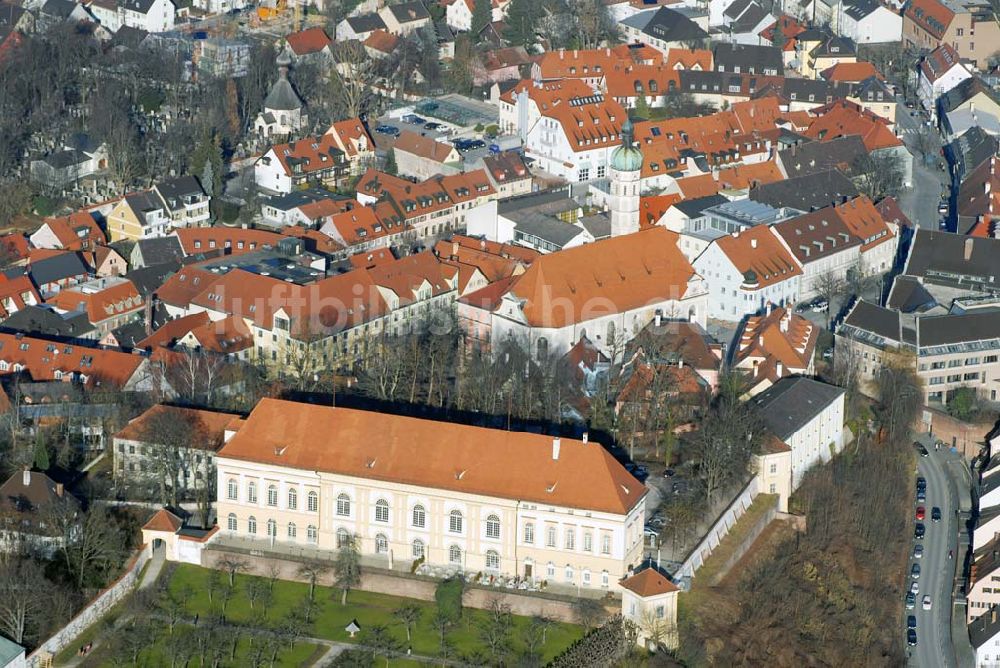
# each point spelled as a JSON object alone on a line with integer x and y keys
{"x": 367, "y": 608}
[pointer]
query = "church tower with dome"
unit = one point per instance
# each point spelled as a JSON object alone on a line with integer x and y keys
{"x": 625, "y": 173}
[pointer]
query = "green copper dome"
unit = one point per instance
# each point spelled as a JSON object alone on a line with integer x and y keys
{"x": 626, "y": 158}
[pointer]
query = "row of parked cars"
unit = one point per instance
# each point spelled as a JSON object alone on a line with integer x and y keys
{"x": 919, "y": 531}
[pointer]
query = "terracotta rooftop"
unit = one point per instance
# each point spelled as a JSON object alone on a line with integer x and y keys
{"x": 207, "y": 427}
{"x": 453, "y": 457}
{"x": 310, "y": 40}
{"x": 649, "y": 582}
{"x": 163, "y": 520}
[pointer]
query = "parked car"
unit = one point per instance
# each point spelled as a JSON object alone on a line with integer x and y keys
{"x": 828, "y": 354}
{"x": 911, "y": 621}
{"x": 669, "y": 473}
{"x": 911, "y": 637}
{"x": 413, "y": 118}
{"x": 921, "y": 483}
{"x": 390, "y": 130}
{"x": 649, "y": 531}
{"x": 820, "y": 305}
{"x": 432, "y": 126}
{"x": 911, "y": 600}
{"x": 927, "y": 602}
{"x": 919, "y": 530}
{"x": 922, "y": 450}
{"x": 915, "y": 571}
{"x": 943, "y": 206}
{"x": 921, "y": 495}
{"x": 935, "y": 514}
{"x": 921, "y": 511}
{"x": 918, "y": 551}
{"x": 914, "y": 587}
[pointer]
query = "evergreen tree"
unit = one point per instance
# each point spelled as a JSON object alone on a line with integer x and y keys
{"x": 390, "y": 163}
{"x": 522, "y": 21}
{"x": 482, "y": 14}
{"x": 41, "y": 455}
{"x": 642, "y": 107}
{"x": 778, "y": 38}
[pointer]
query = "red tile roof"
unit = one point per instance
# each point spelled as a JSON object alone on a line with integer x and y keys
{"x": 620, "y": 274}
{"x": 382, "y": 41}
{"x": 453, "y": 457}
{"x": 163, "y": 520}
{"x": 50, "y": 360}
{"x": 759, "y": 250}
{"x": 77, "y": 231}
{"x": 352, "y": 137}
{"x": 649, "y": 582}
{"x": 842, "y": 118}
{"x": 173, "y": 330}
{"x": 851, "y": 72}
{"x": 310, "y": 40}
{"x": 120, "y": 297}
{"x": 930, "y": 15}
{"x": 231, "y": 240}
{"x": 208, "y": 427}
{"x": 425, "y": 147}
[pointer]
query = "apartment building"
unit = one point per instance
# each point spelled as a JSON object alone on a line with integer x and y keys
{"x": 482, "y": 500}
{"x": 950, "y": 351}
{"x": 108, "y": 303}
{"x": 296, "y": 164}
{"x": 169, "y": 205}
{"x": 142, "y": 447}
{"x": 969, "y": 26}
{"x": 568, "y": 129}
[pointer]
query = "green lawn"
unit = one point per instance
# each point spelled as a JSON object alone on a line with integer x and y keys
{"x": 367, "y": 608}
{"x": 157, "y": 654}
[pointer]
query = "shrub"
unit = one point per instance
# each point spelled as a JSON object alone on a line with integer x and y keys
{"x": 448, "y": 596}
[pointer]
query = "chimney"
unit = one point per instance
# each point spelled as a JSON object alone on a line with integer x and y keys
{"x": 680, "y": 363}
{"x": 760, "y": 340}
{"x": 783, "y": 325}
{"x": 26, "y": 478}
{"x": 147, "y": 316}
{"x": 555, "y": 448}
{"x": 586, "y": 437}
{"x": 968, "y": 249}
{"x": 562, "y": 52}
{"x": 780, "y": 368}
{"x": 454, "y": 248}
{"x": 59, "y": 489}
{"x": 753, "y": 243}
{"x": 657, "y": 319}
{"x": 767, "y": 308}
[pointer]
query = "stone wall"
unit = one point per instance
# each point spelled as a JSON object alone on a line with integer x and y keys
{"x": 968, "y": 438}
{"x": 96, "y": 609}
{"x": 394, "y": 583}
{"x": 719, "y": 529}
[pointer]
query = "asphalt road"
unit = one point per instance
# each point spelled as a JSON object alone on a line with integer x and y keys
{"x": 935, "y": 648}
{"x": 920, "y": 202}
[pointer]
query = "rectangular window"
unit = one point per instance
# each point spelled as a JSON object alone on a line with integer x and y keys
{"x": 588, "y": 542}
{"x": 550, "y": 537}
{"x": 570, "y": 541}
{"x": 529, "y": 533}
{"x": 605, "y": 544}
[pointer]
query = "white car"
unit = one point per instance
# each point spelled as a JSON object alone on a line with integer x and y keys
{"x": 914, "y": 587}
{"x": 927, "y": 602}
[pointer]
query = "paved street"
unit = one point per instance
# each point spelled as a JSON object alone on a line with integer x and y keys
{"x": 920, "y": 202}
{"x": 936, "y": 643}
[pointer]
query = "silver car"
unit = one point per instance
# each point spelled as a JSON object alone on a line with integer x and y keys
{"x": 918, "y": 551}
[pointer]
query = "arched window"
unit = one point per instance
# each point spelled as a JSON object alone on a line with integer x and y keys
{"x": 311, "y": 533}
{"x": 455, "y": 554}
{"x": 381, "y": 544}
{"x": 550, "y": 537}
{"x": 586, "y": 578}
{"x": 588, "y": 542}
{"x": 569, "y": 573}
{"x": 312, "y": 502}
{"x": 272, "y": 529}
{"x": 493, "y": 527}
{"x": 653, "y": 86}
{"x": 419, "y": 516}
{"x": 232, "y": 490}
{"x": 605, "y": 544}
{"x": 611, "y": 333}
{"x": 492, "y": 560}
{"x": 418, "y": 548}
{"x": 455, "y": 521}
{"x": 381, "y": 510}
{"x": 604, "y": 578}
{"x": 570, "y": 539}
{"x": 272, "y": 495}
{"x": 292, "y": 530}
{"x": 343, "y": 538}
{"x": 293, "y": 499}
{"x": 252, "y": 525}
{"x": 343, "y": 505}
{"x": 251, "y": 492}
{"x": 542, "y": 348}
{"x": 231, "y": 522}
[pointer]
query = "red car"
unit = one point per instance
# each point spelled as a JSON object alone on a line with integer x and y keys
{"x": 920, "y": 512}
